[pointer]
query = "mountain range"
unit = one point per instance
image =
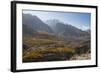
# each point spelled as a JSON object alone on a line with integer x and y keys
{"x": 34, "y": 25}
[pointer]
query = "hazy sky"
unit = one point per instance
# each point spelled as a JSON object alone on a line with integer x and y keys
{"x": 80, "y": 20}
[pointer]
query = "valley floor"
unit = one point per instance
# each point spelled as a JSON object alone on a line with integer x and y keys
{"x": 53, "y": 49}
{"x": 86, "y": 56}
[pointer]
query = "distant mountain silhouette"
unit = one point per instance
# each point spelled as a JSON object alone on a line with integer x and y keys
{"x": 61, "y": 28}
